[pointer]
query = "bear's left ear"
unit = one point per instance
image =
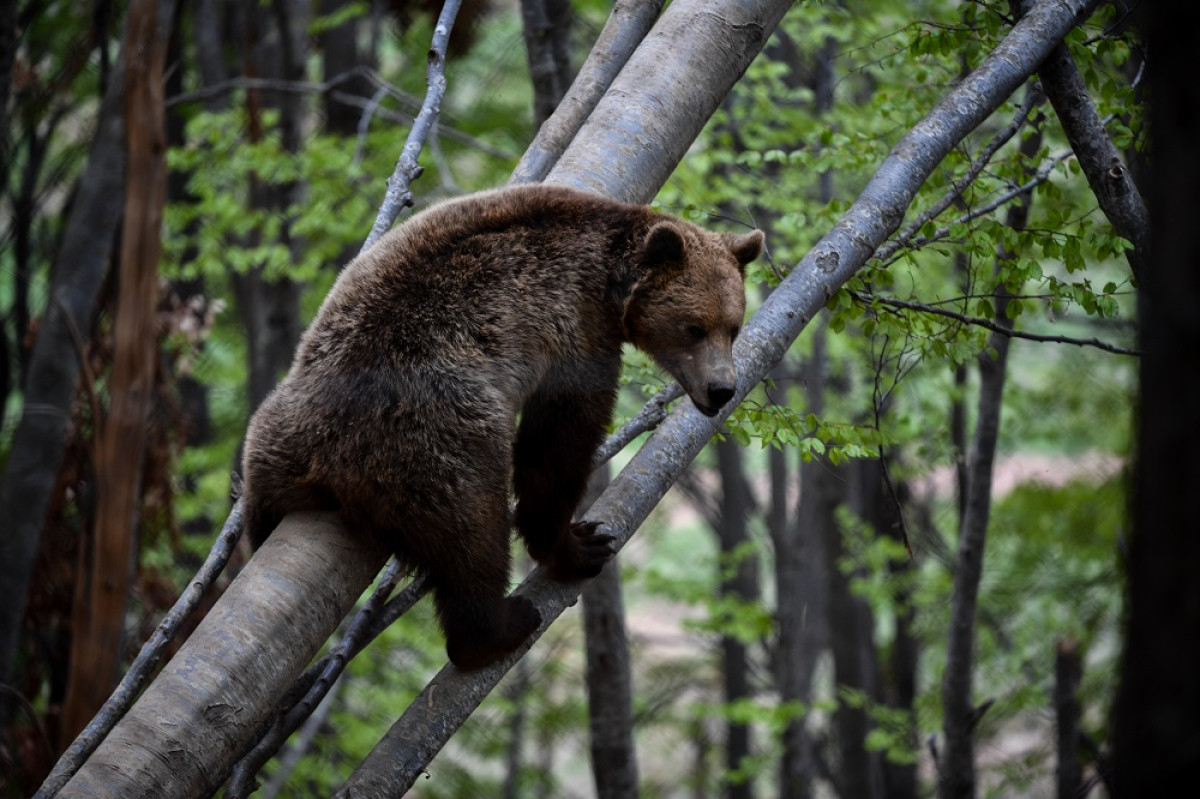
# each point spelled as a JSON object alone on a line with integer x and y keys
{"x": 744, "y": 246}
{"x": 663, "y": 245}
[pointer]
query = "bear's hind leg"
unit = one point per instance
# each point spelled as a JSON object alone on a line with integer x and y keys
{"x": 467, "y": 560}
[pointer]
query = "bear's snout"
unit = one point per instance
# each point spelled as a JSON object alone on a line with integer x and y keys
{"x": 718, "y": 395}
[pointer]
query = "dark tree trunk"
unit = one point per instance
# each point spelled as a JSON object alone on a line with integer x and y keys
{"x": 340, "y": 55}
{"x": 803, "y": 593}
{"x": 957, "y": 774}
{"x": 1067, "y": 673}
{"x": 852, "y": 627}
{"x": 609, "y": 676}
{"x": 31, "y": 471}
{"x": 610, "y": 687}
{"x": 547, "y": 45}
{"x": 743, "y": 585}
{"x": 270, "y": 308}
{"x": 1156, "y": 734}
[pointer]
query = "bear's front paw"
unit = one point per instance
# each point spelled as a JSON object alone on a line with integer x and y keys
{"x": 582, "y": 552}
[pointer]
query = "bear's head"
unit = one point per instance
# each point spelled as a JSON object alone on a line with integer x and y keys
{"x": 687, "y": 307}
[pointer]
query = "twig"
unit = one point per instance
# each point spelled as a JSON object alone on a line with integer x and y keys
{"x": 449, "y": 132}
{"x": 364, "y": 123}
{"x": 649, "y": 417}
{"x": 116, "y": 706}
{"x": 398, "y": 196}
{"x": 869, "y": 299}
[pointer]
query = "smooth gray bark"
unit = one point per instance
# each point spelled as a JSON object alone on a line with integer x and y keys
{"x": 628, "y": 24}
{"x": 201, "y": 712}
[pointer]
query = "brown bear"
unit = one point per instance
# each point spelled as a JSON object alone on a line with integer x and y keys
{"x": 400, "y": 409}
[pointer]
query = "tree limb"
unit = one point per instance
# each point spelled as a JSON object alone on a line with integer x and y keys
{"x": 1102, "y": 164}
{"x": 988, "y": 324}
{"x": 398, "y": 195}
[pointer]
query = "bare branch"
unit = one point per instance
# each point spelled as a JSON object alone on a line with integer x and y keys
{"x": 398, "y": 195}
{"x": 988, "y": 324}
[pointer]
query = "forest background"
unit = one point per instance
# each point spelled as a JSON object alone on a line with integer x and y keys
{"x": 792, "y": 604}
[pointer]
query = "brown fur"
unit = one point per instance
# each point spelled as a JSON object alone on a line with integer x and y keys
{"x": 400, "y": 407}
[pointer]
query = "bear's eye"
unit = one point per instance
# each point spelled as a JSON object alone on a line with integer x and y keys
{"x": 733, "y": 333}
{"x": 696, "y": 332}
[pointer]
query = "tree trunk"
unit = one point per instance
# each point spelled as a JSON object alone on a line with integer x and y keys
{"x": 547, "y": 46}
{"x": 852, "y": 626}
{"x": 98, "y": 622}
{"x": 802, "y": 592}
{"x": 339, "y": 57}
{"x": 1067, "y": 673}
{"x": 270, "y": 308}
{"x": 31, "y": 471}
{"x": 610, "y": 687}
{"x": 609, "y": 675}
{"x": 198, "y": 716}
{"x": 1156, "y": 738}
{"x": 740, "y": 583}
{"x": 957, "y": 773}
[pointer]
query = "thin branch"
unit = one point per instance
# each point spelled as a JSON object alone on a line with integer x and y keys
{"x": 294, "y": 87}
{"x": 399, "y": 196}
{"x": 407, "y": 119}
{"x": 1098, "y": 157}
{"x": 648, "y": 418}
{"x": 887, "y": 252}
{"x": 988, "y": 324}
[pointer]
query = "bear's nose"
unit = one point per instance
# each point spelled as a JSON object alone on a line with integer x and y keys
{"x": 719, "y": 394}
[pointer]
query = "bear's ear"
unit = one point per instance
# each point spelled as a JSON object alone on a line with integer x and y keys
{"x": 663, "y": 245}
{"x": 744, "y": 246}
